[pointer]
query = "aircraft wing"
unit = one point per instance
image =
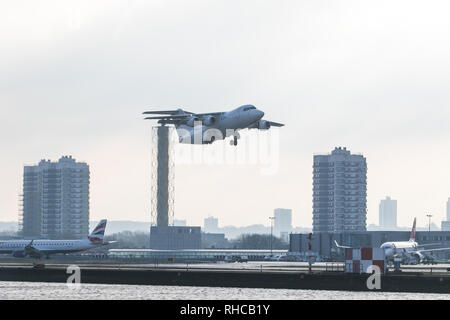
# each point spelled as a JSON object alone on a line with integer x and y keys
{"x": 169, "y": 112}
{"x": 429, "y": 244}
{"x": 431, "y": 250}
{"x": 175, "y": 116}
{"x": 276, "y": 124}
{"x": 344, "y": 247}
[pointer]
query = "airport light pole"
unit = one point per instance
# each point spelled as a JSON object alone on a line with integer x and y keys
{"x": 271, "y": 232}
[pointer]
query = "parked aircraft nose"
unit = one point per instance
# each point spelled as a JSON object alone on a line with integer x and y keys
{"x": 389, "y": 252}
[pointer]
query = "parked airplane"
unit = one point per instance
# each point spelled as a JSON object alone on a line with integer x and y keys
{"x": 406, "y": 250}
{"x": 205, "y": 128}
{"x": 40, "y": 248}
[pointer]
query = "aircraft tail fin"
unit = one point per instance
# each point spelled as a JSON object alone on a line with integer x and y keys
{"x": 98, "y": 233}
{"x": 413, "y": 232}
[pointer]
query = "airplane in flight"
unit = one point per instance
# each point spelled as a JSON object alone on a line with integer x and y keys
{"x": 40, "y": 248}
{"x": 205, "y": 128}
{"x": 406, "y": 250}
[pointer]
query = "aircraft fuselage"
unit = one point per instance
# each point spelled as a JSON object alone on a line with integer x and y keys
{"x": 47, "y": 246}
{"x": 219, "y": 126}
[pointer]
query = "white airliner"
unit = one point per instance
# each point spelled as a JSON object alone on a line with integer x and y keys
{"x": 40, "y": 248}
{"x": 205, "y": 128}
{"x": 405, "y": 249}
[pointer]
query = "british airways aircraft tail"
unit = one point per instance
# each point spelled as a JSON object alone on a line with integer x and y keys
{"x": 98, "y": 233}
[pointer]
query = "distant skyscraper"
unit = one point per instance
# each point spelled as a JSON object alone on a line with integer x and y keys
{"x": 211, "y": 224}
{"x": 448, "y": 209}
{"x": 445, "y": 225}
{"x": 283, "y": 221}
{"x": 388, "y": 214}
{"x": 339, "y": 192}
{"x": 56, "y": 200}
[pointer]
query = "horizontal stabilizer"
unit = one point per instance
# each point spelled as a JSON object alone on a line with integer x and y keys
{"x": 105, "y": 243}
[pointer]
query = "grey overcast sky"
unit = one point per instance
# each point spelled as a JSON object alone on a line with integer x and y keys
{"x": 372, "y": 76}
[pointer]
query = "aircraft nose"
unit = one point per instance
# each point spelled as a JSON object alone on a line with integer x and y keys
{"x": 259, "y": 114}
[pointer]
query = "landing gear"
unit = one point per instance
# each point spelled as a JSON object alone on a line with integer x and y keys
{"x": 234, "y": 142}
{"x": 397, "y": 262}
{"x": 397, "y": 266}
{"x": 417, "y": 260}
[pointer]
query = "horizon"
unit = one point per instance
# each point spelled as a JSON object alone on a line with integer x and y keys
{"x": 425, "y": 227}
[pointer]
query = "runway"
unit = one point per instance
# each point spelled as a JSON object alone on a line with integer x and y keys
{"x": 274, "y": 275}
{"x": 252, "y": 266}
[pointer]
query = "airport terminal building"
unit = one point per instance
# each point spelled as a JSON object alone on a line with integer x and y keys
{"x": 193, "y": 254}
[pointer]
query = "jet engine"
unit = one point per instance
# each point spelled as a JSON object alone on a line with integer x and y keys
{"x": 417, "y": 257}
{"x": 190, "y": 121}
{"x": 209, "y": 120}
{"x": 263, "y": 125}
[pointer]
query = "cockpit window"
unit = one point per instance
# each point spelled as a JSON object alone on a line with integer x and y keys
{"x": 249, "y": 108}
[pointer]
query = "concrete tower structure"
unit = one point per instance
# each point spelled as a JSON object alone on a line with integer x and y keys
{"x": 162, "y": 176}
{"x": 166, "y": 236}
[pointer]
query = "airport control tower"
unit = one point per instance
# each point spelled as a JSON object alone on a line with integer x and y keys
{"x": 163, "y": 235}
{"x": 162, "y": 176}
